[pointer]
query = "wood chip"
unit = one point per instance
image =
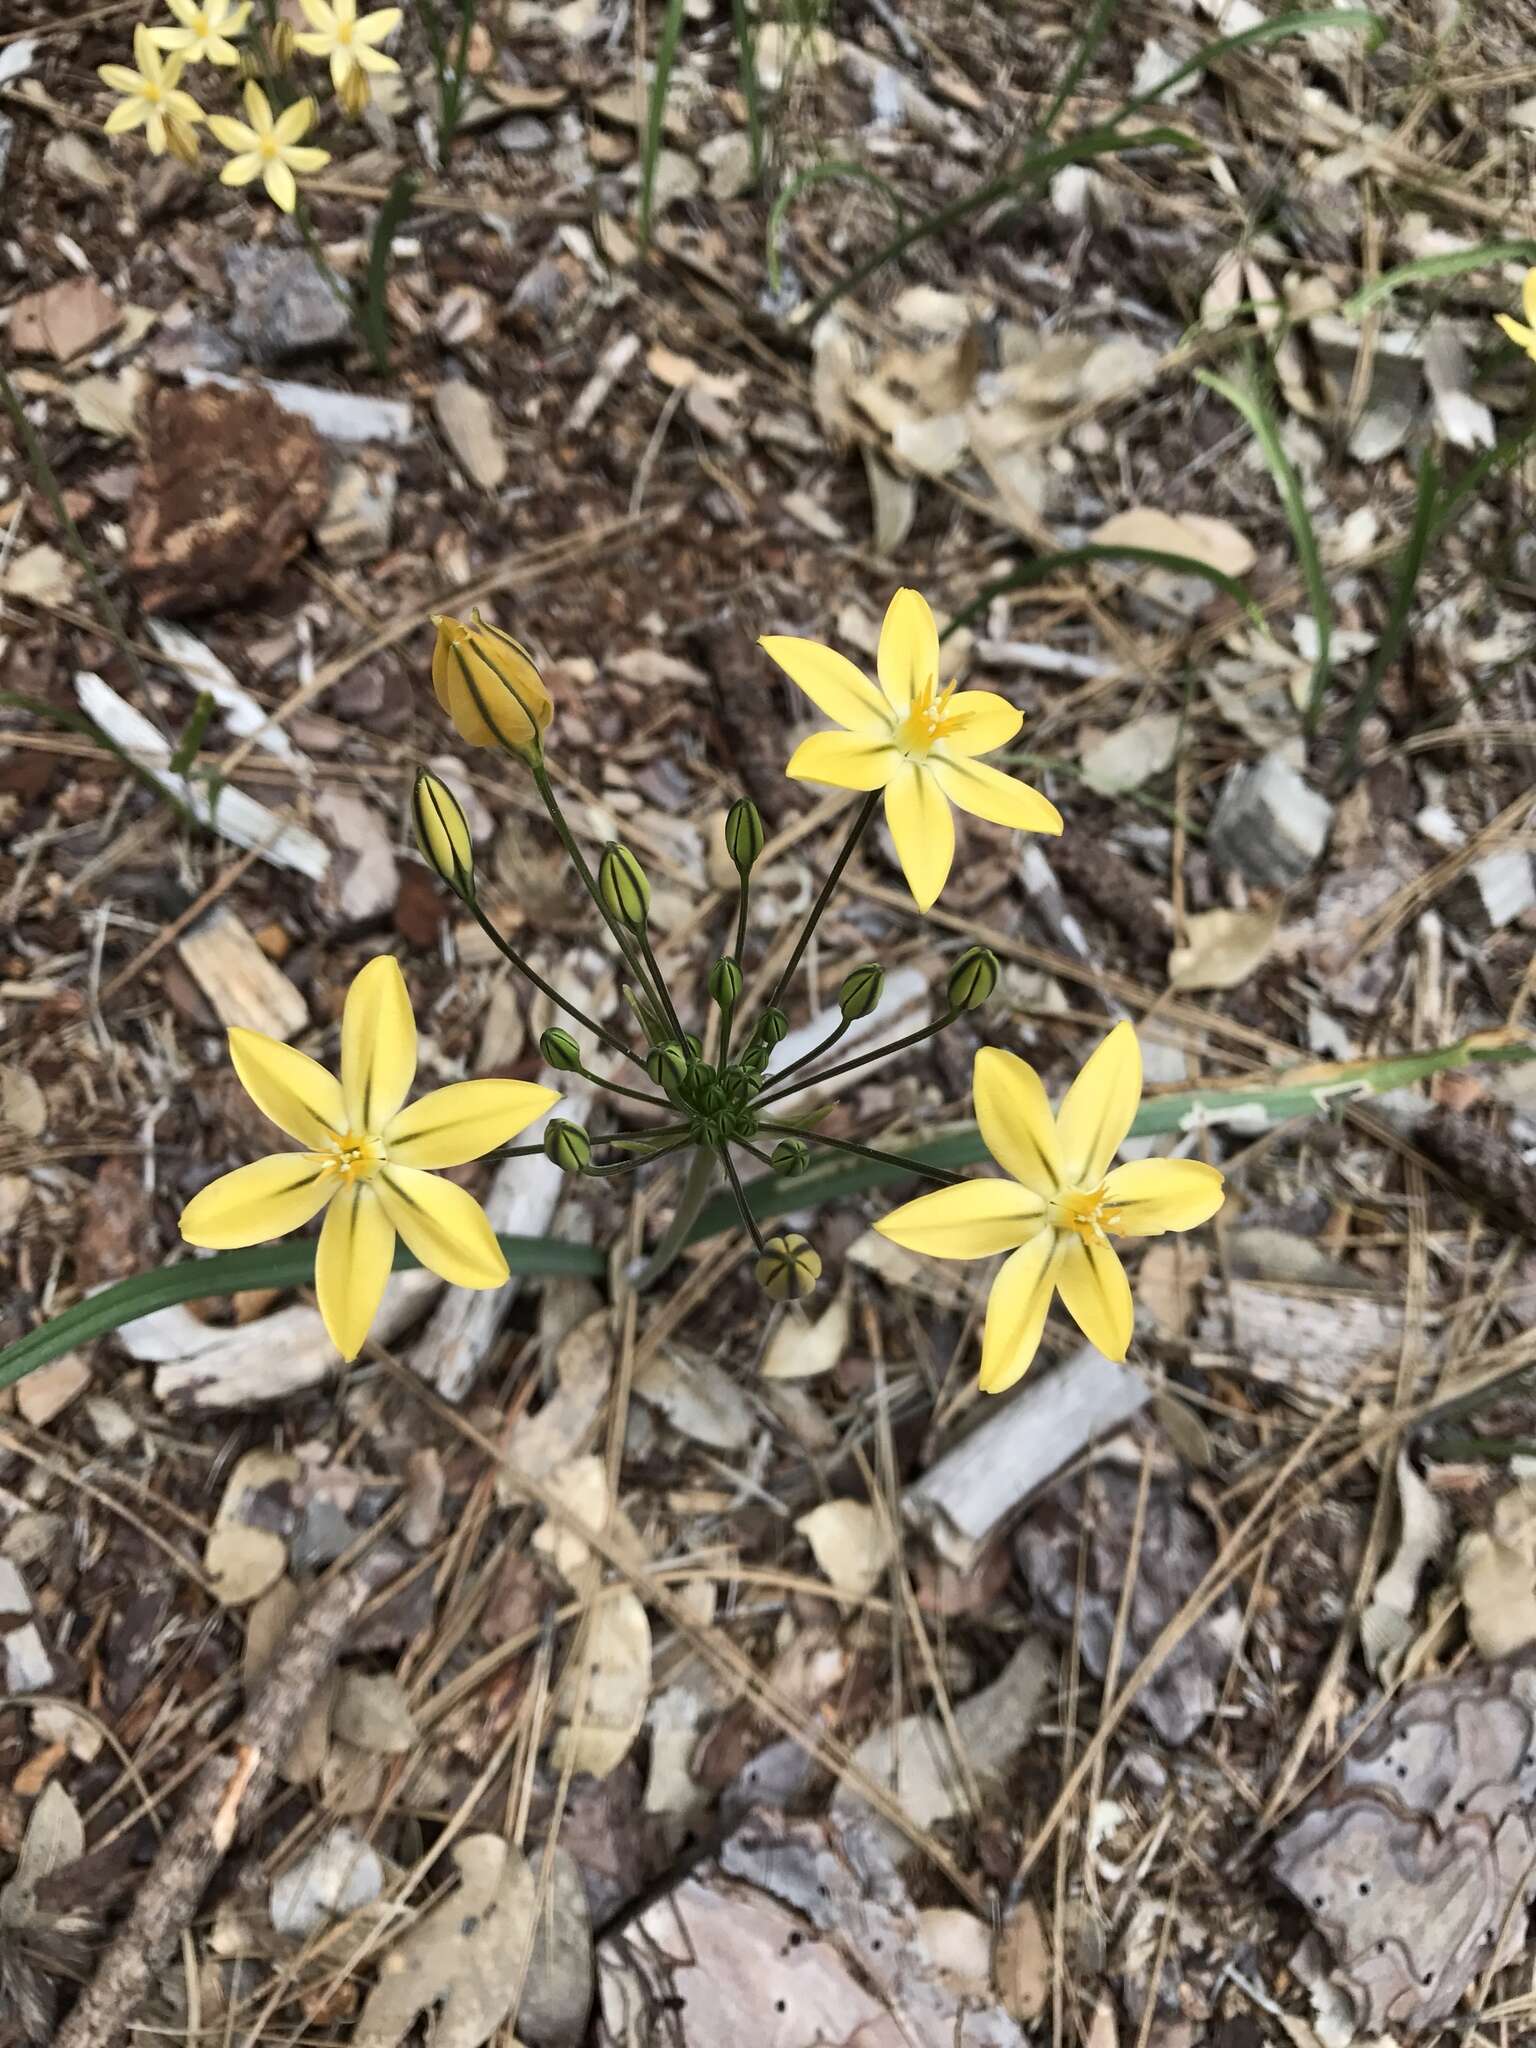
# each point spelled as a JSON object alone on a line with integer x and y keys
{"x": 244, "y": 987}
{"x": 472, "y": 428}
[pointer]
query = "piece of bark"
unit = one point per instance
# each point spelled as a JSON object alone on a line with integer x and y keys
{"x": 1019, "y": 1448}
{"x": 1489, "y": 1169}
{"x": 227, "y": 1793}
{"x": 243, "y": 985}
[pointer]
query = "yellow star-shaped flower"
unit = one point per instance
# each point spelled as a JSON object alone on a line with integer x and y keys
{"x": 204, "y": 32}
{"x": 151, "y": 96}
{"x": 269, "y": 149}
{"x": 337, "y": 32}
{"x": 1523, "y": 337}
{"x": 911, "y": 739}
{"x": 367, "y": 1160}
{"x": 1060, "y": 1207}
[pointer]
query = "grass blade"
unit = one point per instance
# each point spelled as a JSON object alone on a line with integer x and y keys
{"x": 1250, "y": 1105}
{"x": 745, "y": 37}
{"x": 374, "y": 320}
{"x": 1094, "y": 31}
{"x": 1409, "y": 563}
{"x": 650, "y": 148}
{"x": 1044, "y": 567}
{"x": 291, "y": 1264}
{"x": 1251, "y": 404}
{"x": 1425, "y": 269}
{"x": 816, "y": 174}
{"x": 1283, "y": 25}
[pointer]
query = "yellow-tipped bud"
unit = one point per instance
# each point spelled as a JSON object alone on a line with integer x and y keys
{"x": 442, "y": 833}
{"x": 282, "y": 44}
{"x": 251, "y": 70}
{"x": 355, "y": 93}
{"x": 487, "y": 683}
{"x": 788, "y": 1268}
{"x": 181, "y": 141}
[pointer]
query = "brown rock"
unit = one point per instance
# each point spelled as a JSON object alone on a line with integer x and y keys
{"x": 226, "y": 499}
{"x": 64, "y": 320}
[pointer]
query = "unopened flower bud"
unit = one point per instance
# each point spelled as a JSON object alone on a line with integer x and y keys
{"x": 568, "y": 1146}
{"x": 487, "y": 683}
{"x": 181, "y": 141}
{"x": 355, "y": 93}
{"x": 972, "y": 978}
{"x": 282, "y": 43}
{"x": 861, "y": 991}
{"x": 667, "y": 1066}
{"x": 622, "y": 885}
{"x": 725, "y": 984}
{"x": 251, "y": 70}
{"x": 560, "y": 1051}
{"x": 791, "y": 1157}
{"x": 442, "y": 833}
{"x": 743, "y": 834}
{"x": 772, "y": 1027}
{"x": 789, "y": 1268}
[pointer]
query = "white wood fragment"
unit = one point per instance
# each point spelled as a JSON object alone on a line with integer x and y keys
{"x": 24, "y": 1659}
{"x": 273, "y": 1357}
{"x": 1505, "y": 883}
{"x": 335, "y": 415}
{"x": 243, "y": 985}
{"x": 521, "y": 1203}
{"x": 1030, "y": 1438}
{"x": 229, "y": 812}
{"x": 611, "y": 365}
{"x": 902, "y": 1008}
{"x": 201, "y": 669}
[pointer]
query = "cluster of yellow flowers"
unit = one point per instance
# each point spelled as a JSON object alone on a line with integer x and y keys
{"x": 370, "y": 1162}
{"x": 265, "y": 145}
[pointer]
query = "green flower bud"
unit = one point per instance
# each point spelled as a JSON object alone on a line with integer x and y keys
{"x": 568, "y": 1145}
{"x": 743, "y": 834}
{"x": 725, "y": 984}
{"x": 791, "y": 1157}
{"x": 442, "y": 833}
{"x": 621, "y": 883}
{"x": 789, "y": 1268}
{"x": 669, "y": 1067}
{"x": 282, "y": 43}
{"x": 560, "y": 1050}
{"x": 861, "y": 991}
{"x": 694, "y": 1045}
{"x": 771, "y": 1028}
{"x": 972, "y": 978}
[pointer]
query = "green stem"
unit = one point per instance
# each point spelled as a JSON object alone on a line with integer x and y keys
{"x": 629, "y": 1165}
{"x": 661, "y": 984}
{"x": 856, "y": 833}
{"x": 578, "y": 860}
{"x": 690, "y": 1202}
{"x": 938, "y": 1173}
{"x": 48, "y": 484}
{"x": 841, "y": 1029}
{"x": 728, "y": 1017}
{"x": 878, "y": 1052}
{"x": 619, "y": 1088}
{"x": 510, "y": 952}
{"x": 741, "y": 1196}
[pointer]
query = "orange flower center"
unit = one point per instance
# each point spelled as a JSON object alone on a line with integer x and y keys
{"x": 357, "y": 1156}
{"x": 928, "y": 721}
{"x": 1085, "y": 1212}
{"x": 343, "y": 32}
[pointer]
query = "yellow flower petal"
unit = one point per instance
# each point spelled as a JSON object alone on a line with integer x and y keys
{"x": 1154, "y": 1195}
{"x": 320, "y": 18}
{"x": 1092, "y": 1284}
{"x": 1528, "y": 297}
{"x": 294, "y": 122}
{"x": 378, "y": 1045}
{"x": 908, "y": 655}
{"x": 182, "y": 105}
{"x": 1016, "y": 1308}
{"x": 1014, "y": 1117}
{"x": 978, "y": 722}
{"x": 971, "y": 1221}
{"x": 923, "y": 828}
{"x": 352, "y": 1262}
{"x": 279, "y": 181}
{"x": 446, "y": 1228}
{"x": 234, "y": 134}
{"x": 145, "y": 54}
{"x": 125, "y": 115}
{"x": 312, "y": 45}
{"x": 373, "y": 60}
{"x": 461, "y": 1122}
{"x": 1522, "y": 337}
{"x": 831, "y": 682}
{"x": 305, "y": 159}
{"x": 373, "y": 28}
{"x": 1091, "y": 1124}
{"x": 846, "y": 760}
{"x": 154, "y": 131}
{"x": 257, "y": 110}
{"x": 342, "y": 61}
{"x": 240, "y": 170}
{"x": 288, "y": 1086}
{"x": 266, "y": 1199}
{"x": 119, "y": 77}
{"x": 989, "y": 793}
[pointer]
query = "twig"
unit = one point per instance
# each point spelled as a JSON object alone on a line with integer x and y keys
{"x": 230, "y": 1787}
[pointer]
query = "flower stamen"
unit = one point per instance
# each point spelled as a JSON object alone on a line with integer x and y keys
{"x": 1086, "y": 1213}
{"x": 356, "y": 1156}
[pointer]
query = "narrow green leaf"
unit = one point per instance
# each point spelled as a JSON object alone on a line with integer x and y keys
{"x": 815, "y": 174}
{"x": 288, "y": 1264}
{"x": 1389, "y": 646}
{"x": 192, "y": 734}
{"x": 1044, "y": 567}
{"x": 375, "y": 313}
{"x": 650, "y": 147}
{"x": 1249, "y": 400}
{"x": 1425, "y": 269}
{"x": 1281, "y": 26}
{"x": 1094, "y": 30}
{"x": 745, "y": 36}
